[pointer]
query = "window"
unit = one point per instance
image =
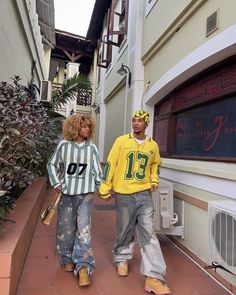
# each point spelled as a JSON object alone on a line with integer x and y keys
{"x": 116, "y": 29}
{"x": 122, "y": 22}
{"x": 105, "y": 52}
{"x": 149, "y": 5}
{"x": 198, "y": 120}
{"x": 207, "y": 131}
{"x": 118, "y": 24}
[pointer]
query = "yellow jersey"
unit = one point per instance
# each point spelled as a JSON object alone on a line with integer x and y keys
{"x": 131, "y": 167}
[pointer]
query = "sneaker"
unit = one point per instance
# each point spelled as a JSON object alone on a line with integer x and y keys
{"x": 84, "y": 279}
{"x": 69, "y": 267}
{"x": 122, "y": 269}
{"x": 156, "y": 286}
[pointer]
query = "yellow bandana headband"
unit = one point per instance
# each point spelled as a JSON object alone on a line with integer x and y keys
{"x": 144, "y": 115}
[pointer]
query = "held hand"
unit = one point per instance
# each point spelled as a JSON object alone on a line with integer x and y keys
{"x": 58, "y": 188}
{"x": 105, "y": 197}
{"x": 153, "y": 188}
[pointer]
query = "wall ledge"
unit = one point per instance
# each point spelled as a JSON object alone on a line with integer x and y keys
{"x": 15, "y": 241}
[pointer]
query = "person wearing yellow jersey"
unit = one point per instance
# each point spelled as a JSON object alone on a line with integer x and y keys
{"x": 131, "y": 172}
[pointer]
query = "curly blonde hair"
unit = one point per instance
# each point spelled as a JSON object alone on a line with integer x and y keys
{"x": 73, "y": 123}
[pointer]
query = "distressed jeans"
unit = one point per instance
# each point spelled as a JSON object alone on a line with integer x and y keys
{"x": 74, "y": 231}
{"x": 135, "y": 219}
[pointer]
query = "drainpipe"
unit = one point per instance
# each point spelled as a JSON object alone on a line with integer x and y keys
{"x": 94, "y": 79}
{"x": 95, "y": 107}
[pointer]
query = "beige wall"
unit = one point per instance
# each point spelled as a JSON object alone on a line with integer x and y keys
{"x": 21, "y": 42}
{"x": 114, "y": 119}
{"x": 159, "y": 19}
{"x": 129, "y": 111}
{"x": 191, "y": 33}
{"x": 196, "y": 220}
{"x": 112, "y": 78}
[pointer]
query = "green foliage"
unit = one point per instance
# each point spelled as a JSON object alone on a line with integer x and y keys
{"x": 70, "y": 89}
{"x": 6, "y": 205}
{"x": 28, "y": 135}
{"x": 27, "y": 138}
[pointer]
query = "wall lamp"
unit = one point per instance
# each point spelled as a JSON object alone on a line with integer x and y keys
{"x": 96, "y": 108}
{"x": 72, "y": 112}
{"x": 123, "y": 70}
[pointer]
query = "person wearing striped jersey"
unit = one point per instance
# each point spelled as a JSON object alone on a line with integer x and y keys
{"x": 74, "y": 169}
{"x": 131, "y": 172}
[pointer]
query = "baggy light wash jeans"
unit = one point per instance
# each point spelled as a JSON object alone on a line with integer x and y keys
{"x": 135, "y": 219}
{"x": 74, "y": 231}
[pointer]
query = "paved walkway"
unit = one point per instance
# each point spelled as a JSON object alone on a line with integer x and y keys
{"x": 43, "y": 275}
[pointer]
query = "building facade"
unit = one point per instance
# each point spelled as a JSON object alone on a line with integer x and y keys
{"x": 181, "y": 67}
{"x": 27, "y": 37}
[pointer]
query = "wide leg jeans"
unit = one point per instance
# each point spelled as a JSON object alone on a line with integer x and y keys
{"x": 135, "y": 219}
{"x": 74, "y": 231}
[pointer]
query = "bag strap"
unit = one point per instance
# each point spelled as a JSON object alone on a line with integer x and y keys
{"x": 57, "y": 200}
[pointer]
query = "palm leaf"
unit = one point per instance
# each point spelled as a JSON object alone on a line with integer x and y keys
{"x": 69, "y": 90}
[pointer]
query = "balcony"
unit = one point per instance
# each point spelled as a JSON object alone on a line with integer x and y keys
{"x": 83, "y": 104}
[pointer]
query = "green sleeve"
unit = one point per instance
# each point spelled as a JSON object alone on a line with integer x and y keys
{"x": 154, "y": 166}
{"x": 110, "y": 168}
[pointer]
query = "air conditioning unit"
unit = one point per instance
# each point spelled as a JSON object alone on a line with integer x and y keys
{"x": 45, "y": 90}
{"x": 164, "y": 217}
{"x": 222, "y": 233}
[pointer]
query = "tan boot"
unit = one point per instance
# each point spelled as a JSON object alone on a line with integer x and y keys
{"x": 156, "y": 286}
{"x": 84, "y": 279}
{"x": 122, "y": 269}
{"x": 69, "y": 267}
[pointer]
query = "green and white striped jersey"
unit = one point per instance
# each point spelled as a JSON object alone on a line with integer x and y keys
{"x": 76, "y": 167}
